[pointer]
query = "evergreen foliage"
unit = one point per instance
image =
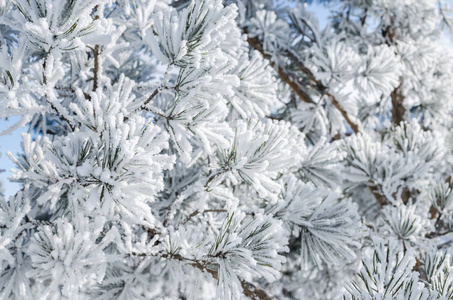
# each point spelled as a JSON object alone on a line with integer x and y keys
{"x": 235, "y": 149}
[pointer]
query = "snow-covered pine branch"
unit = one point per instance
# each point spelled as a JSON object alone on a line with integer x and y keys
{"x": 209, "y": 149}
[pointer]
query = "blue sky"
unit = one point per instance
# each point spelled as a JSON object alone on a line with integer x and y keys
{"x": 12, "y": 142}
{"x": 9, "y": 143}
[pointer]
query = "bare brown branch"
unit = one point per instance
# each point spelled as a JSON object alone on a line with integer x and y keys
{"x": 380, "y": 198}
{"x": 255, "y": 43}
{"x": 249, "y": 289}
{"x": 96, "y": 58}
{"x": 398, "y": 109}
{"x": 54, "y": 108}
{"x": 96, "y": 68}
{"x": 345, "y": 115}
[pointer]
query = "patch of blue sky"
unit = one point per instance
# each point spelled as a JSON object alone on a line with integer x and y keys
{"x": 11, "y": 143}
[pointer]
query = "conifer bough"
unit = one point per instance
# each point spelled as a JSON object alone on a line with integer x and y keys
{"x": 233, "y": 149}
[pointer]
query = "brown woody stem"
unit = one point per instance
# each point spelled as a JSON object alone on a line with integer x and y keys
{"x": 255, "y": 43}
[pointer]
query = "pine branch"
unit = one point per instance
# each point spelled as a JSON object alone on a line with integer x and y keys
{"x": 398, "y": 109}
{"x": 256, "y": 44}
{"x": 203, "y": 212}
{"x": 437, "y": 215}
{"x": 345, "y": 115}
{"x": 44, "y": 67}
{"x": 249, "y": 289}
{"x": 163, "y": 86}
{"x": 151, "y": 97}
{"x": 376, "y": 191}
{"x": 52, "y": 105}
{"x": 60, "y": 115}
{"x": 210, "y": 179}
{"x": 96, "y": 58}
{"x": 96, "y": 67}
{"x": 253, "y": 292}
{"x": 317, "y": 84}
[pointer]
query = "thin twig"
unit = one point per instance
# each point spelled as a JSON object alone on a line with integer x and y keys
{"x": 52, "y": 105}
{"x": 249, "y": 289}
{"x": 397, "y": 97}
{"x": 96, "y": 57}
{"x": 44, "y": 66}
{"x": 345, "y": 115}
{"x": 150, "y": 98}
{"x": 398, "y": 109}
{"x": 203, "y": 212}
{"x": 96, "y": 67}
{"x": 380, "y": 198}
